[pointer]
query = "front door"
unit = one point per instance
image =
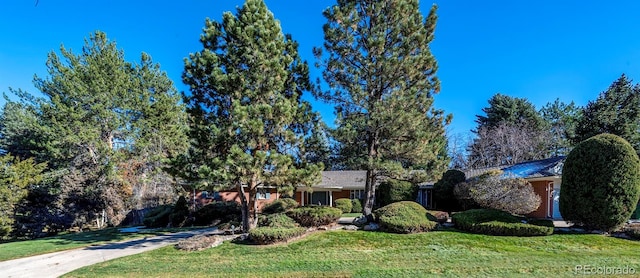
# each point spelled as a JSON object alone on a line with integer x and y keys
{"x": 556, "y": 202}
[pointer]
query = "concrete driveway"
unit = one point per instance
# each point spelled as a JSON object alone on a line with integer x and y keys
{"x": 58, "y": 263}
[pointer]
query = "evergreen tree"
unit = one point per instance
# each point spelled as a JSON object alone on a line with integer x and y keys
{"x": 512, "y": 110}
{"x": 98, "y": 113}
{"x": 248, "y": 121}
{"x": 16, "y": 176}
{"x": 381, "y": 74}
{"x": 615, "y": 111}
{"x": 561, "y": 120}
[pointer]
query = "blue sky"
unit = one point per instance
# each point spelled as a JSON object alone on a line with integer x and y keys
{"x": 539, "y": 50}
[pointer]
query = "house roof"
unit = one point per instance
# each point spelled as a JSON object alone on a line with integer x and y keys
{"x": 343, "y": 179}
{"x": 472, "y": 173}
{"x": 549, "y": 167}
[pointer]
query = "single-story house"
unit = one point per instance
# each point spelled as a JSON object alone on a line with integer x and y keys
{"x": 544, "y": 175}
{"x": 333, "y": 185}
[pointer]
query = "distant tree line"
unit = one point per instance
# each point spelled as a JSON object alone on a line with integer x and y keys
{"x": 512, "y": 130}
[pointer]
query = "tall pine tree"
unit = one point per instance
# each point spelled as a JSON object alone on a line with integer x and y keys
{"x": 382, "y": 79}
{"x": 615, "y": 111}
{"x": 248, "y": 120}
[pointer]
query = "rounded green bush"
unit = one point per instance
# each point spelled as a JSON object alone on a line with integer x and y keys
{"x": 269, "y": 235}
{"x": 443, "y": 190}
{"x": 280, "y": 206}
{"x": 344, "y": 204}
{"x": 500, "y": 223}
{"x": 600, "y": 183}
{"x": 356, "y": 205}
{"x": 315, "y": 216}
{"x": 404, "y": 217}
{"x": 391, "y": 191}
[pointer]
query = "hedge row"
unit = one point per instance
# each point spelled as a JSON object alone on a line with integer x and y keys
{"x": 500, "y": 223}
{"x": 269, "y": 235}
{"x": 404, "y": 217}
{"x": 315, "y": 216}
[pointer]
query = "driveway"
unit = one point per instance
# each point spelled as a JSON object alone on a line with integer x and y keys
{"x": 59, "y": 263}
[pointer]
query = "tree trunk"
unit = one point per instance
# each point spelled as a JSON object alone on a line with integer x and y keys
{"x": 370, "y": 183}
{"x": 370, "y": 195}
{"x": 245, "y": 208}
{"x": 253, "y": 204}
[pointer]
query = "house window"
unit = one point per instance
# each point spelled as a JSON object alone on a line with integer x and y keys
{"x": 263, "y": 194}
{"x": 357, "y": 194}
{"x": 204, "y": 194}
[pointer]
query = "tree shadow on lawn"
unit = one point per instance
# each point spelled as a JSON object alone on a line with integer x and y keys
{"x": 156, "y": 239}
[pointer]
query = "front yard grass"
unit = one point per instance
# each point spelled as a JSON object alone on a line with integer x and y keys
{"x": 20, "y": 249}
{"x": 375, "y": 254}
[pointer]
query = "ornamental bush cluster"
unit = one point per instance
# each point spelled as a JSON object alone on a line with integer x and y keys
{"x": 500, "y": 223}
{"x": 344, "y": 204}
{"x": 404, "y": 217}
{"x": 280, "y": 206}
{"x": 315, "y": 216}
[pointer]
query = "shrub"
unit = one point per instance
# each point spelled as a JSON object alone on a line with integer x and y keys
{"x": 268, "y": 235}
{"x": 438, "y": 216}
{"x": 600, "y": 183}
{"x": 280, "y": 206}
{"x": 391, "y": 191}
{"x": 158, "y": 217}
{"x": 500, "y": 223}
{"x": 224, "y": 211}
{"x": 492, "y": 190}
{"x": 356, "y": 205}
{"x": 315, "y": 216}
{"x": 443, "y": 190}
{"x": 278, "y": 220}
{"x": 344, "y": 204}
{"x": 462, "y": 191}
{"x": 404, "y": 217}
{"x": 180, "y": 212}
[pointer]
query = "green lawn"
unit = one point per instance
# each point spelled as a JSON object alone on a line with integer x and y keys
{"x": 371, "y": 254}
{"x": 19, "y": 249}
